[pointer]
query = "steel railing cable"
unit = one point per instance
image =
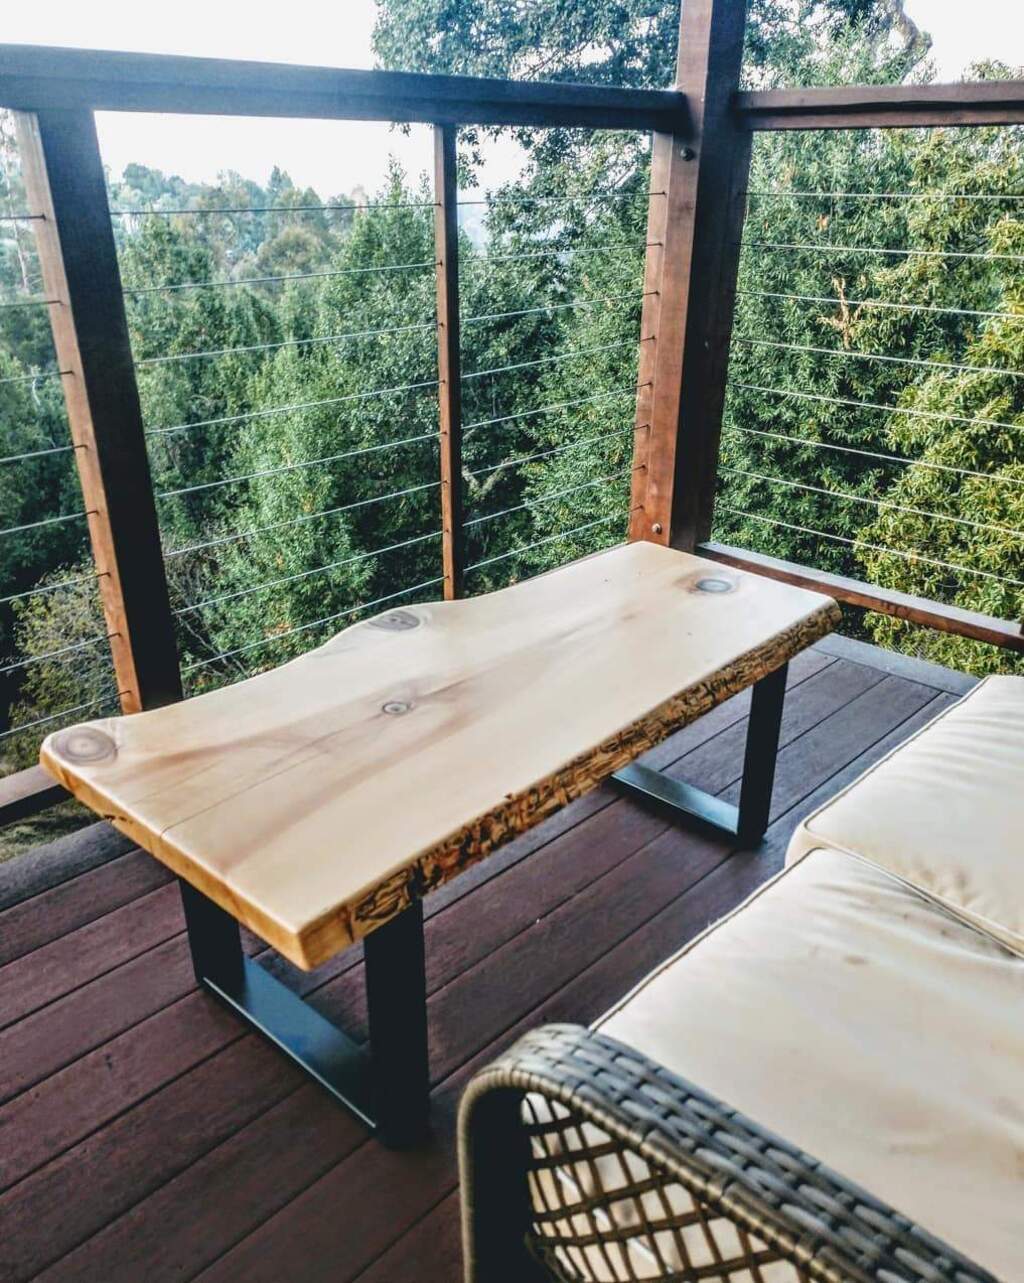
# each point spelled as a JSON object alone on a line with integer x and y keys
{"x": 274, "y": 209}
{"x": 593, "y": 198}
{"x": 64, "y": 712}
{"x": 28, "y": 302}
{"x": 874, "y": 454}
{"x": 316, "y": 623}
{"x": 558, "y": 307}
{"x": 237, "y": 536}
{"x": 874, "y": 503}
{"x": 292, "y": 467}
{"x": 305, "y": 574}
{"x": 49, "y": 588}
{"x": 823, "y": 248}
{"x": 547, "y": 498}
{"x": 886, "y": 409}
{"x": 272, "y": 347}
{"x": 881, "y": 303}
{"x": 553, "y": 407}
{"x": 34, "y": 378}
{"x": 137, "y": 291}
{"x": 292, "y": 407}
{"x": 607, "y": 248}
{"x": 56, "y": 654}
{"x": 37, "y": 454}
{"x": 919, "y": 362}
{"x": 861, "y": 543}
{"x": 979, "y": 196}
{"x": 539, "y": 543}
{"x": 545, "y": 454}
{"x": 47, "y": 521}
{"x": 559, "y": 356}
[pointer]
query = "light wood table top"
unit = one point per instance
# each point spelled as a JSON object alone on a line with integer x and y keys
{"x": 317, "y": 800}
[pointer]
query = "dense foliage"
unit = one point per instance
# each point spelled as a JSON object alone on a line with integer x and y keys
{"x": 286, "y": 357}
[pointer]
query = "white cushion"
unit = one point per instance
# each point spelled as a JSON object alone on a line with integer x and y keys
{"x": 852, "y": 1016}
{"x": 945, "y": 811}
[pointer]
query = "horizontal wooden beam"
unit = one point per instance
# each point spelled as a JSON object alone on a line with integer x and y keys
{"x": 915, "y": 610}
{"x": 27, "y": 793}
{"x": 33, "y": 77}
{"x": 977, "y": 102}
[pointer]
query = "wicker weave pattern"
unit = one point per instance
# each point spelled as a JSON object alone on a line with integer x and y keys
{"x": 635, "y": 1174}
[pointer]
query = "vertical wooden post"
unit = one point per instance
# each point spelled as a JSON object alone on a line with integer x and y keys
{"x": 446, "y": 241}
{"x": 65, "y": 183}
{"x": 698, "y": 197}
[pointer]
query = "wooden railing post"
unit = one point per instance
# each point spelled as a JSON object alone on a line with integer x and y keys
{"x": 64, "y": 180}
{"x": 698, "y": 196}
{"x": 446, "y": 241}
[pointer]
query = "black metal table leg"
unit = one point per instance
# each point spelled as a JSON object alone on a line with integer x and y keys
{"x": 385, "y": 1085}
{"x": 749, "y": 820}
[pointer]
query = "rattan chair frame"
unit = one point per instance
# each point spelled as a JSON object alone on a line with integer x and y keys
{"x": 781, "y": 1204}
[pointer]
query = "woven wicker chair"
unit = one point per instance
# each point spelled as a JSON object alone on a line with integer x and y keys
{"x": 867, "y": 1000}
{"x": 582, "y": 1160}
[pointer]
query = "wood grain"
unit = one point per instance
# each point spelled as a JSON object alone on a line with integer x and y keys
{"x": 34, "y": 76}
{"x": 317, "y": 801}
{"x": 66, "y": 187}
{"x": 978, "y": 102}
{"x": 27, "y": 793}
{"x": 887, "y": 601}
{"x": 449, "y": 362}
{"x": 695, "y": 220}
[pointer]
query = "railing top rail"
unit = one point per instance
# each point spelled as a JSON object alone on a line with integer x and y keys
{"x": 35, "y": 77}
{"x": 968, "y": 102}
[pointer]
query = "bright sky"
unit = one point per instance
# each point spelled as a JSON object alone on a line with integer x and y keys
{"x": 332, "y": 156}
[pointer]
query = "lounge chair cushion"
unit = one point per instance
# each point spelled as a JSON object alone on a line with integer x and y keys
{"x": 945, "y": 811}
{"x": 835, "y": 1008}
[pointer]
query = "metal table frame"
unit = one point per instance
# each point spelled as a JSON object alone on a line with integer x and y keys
{"x": 387, "y": 1084}
{"x": 749, "y": 820}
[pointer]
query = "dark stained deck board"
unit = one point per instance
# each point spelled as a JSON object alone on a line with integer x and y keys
{"x": 146, "y": 1135}
{"x": 53, "y": 914}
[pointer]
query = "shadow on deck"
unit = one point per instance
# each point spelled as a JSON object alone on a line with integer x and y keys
{"x": 144, "y": 1136}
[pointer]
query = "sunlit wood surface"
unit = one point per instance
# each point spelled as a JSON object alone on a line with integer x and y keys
{"x": 317, "y": 800}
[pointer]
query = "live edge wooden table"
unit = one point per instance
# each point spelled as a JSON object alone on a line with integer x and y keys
{"x": 318, "y": 803}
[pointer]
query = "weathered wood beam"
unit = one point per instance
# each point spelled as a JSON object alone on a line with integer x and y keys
{"x": 66, "y": 189}
{"x": 979, "y": 102}
{"x": 887, "y": 601}
{"x": 33, "y": 77}
{"x": 449, "y": 364}
{"x": 28, "y": 792}
{"x": 696, "y": 217}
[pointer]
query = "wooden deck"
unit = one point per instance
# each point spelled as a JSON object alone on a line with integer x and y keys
{"x": 145, "y": 1137}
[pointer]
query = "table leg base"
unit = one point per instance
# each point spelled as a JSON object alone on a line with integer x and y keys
{"x": 749, "y": 820}
{"x": 386, "y": 1084}
{"x": 323, "y": 1050}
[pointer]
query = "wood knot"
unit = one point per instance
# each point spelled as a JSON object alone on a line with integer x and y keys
{"x": 84, "y": 744}
{"x": 397, "y": 621}
{"x": 714, "y": 584}
{"x": 396, "y": 707}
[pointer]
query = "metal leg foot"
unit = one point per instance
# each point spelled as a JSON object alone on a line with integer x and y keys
{"x": 749, "y": 820}
{"x": 386, "y": 1085}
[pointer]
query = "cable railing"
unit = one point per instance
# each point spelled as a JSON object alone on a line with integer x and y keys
{"x": 874, "y": 427}
{"x": 374, "y": 532}
{"x": 55, "y": 657}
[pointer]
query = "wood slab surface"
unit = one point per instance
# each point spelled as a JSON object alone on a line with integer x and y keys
{"x": 318, "y": 800}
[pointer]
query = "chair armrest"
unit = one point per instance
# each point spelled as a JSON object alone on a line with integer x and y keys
{"x": 583, "y": 1160}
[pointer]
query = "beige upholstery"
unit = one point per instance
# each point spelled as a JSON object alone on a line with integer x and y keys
{"x": 945, "y": 811}
{"x": 857, "y": 1019}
